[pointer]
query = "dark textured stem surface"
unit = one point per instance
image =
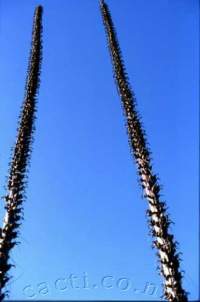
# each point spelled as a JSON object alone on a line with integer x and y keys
{"x": 158, "y": 218}
{"x": 21, "y": 156}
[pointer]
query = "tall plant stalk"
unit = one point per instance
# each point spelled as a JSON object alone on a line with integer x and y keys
{"x": 158, "y": 218}
{"x": 21, "y": 156}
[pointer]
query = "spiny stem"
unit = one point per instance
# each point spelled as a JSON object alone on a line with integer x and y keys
{"x": 159, "y": 221}
{"x": 21, "y": 156}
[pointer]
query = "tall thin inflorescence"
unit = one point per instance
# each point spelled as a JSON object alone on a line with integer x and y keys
{"x": 21, "y": 156}
{"x": 158, "y": 218}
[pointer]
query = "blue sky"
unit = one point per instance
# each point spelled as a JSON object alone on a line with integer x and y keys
{"x": 84, "y": 214}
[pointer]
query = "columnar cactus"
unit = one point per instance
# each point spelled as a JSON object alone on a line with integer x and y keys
{"x": 21, "y": 156}
{"x": 158, "y": 218}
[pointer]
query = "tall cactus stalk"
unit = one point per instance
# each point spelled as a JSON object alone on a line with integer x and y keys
{"x": 159, "y": 222}
{"x": 21, "y": 156}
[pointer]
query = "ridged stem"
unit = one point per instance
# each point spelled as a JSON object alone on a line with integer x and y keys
{"x": 159, "y": 221}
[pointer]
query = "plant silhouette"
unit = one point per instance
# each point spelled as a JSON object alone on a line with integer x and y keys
{"x": 21, "y": 156}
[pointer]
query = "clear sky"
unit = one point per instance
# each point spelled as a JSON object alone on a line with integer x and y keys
{"x": 84, "y": 214}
